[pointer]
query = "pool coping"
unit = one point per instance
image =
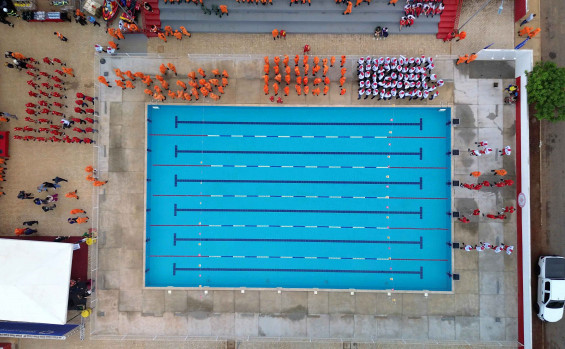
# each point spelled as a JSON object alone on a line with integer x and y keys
{"x": 280, "y": 289}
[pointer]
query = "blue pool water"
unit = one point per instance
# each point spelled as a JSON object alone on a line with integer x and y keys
{"x": 298, "y": 197}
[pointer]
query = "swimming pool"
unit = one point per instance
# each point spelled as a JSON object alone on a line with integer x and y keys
{"x": 298, "y": 197}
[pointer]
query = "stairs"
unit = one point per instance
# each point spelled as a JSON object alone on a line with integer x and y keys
{"x": 323, "y": 17}
{"x": 151, "y": 18}
{"x": 449, "y": 18}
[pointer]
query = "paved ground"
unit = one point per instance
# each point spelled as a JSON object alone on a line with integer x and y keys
{"x": 550, "y": 235}
{"x": 483, "y": 306}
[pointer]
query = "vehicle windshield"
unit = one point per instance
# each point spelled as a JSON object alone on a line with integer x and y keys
{"x": 555, "y": 304}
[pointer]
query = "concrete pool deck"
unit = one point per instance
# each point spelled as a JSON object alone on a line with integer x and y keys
{"x": 483, "y": 306}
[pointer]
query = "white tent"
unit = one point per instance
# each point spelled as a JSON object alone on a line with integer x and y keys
{"x": 34, "y": 280}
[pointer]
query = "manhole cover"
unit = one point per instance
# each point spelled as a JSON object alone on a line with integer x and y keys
{"x": 552, "y": 55}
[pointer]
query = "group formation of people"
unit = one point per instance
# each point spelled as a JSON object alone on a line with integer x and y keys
{"x": 48, "y": 203}
{"x": 466, "y": 58}
{"x": 3, "y": 169}
{"x": 92, "y": 177}
{"x": 414, "y": 8}
{"x": 513, "y": 94}
{"x": 278, "y": 34}
{"x": 198, "y": 85}
{"x": 497, "y": 180}
{"x": 482, "y": 246}
{"x": 384, "y": 78}
{"x": 484, "y": 149}
{"x": 49, "y": 90}
{"x": 318, "y": 73}
{"x": 381, "y": 33}
{"x": 168, "y": 31}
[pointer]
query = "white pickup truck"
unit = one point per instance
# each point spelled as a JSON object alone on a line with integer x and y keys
{"x": 551, "y": 288}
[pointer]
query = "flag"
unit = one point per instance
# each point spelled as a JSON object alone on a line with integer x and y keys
{"x": 521, "y": 44}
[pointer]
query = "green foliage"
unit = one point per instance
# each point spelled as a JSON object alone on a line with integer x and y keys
{"x": 546, "y": 91}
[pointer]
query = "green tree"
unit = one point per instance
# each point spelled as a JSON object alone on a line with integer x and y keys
{"x": 546, "y": 91}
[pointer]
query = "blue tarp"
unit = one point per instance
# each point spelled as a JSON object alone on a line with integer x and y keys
{"x": 34, "y": 329}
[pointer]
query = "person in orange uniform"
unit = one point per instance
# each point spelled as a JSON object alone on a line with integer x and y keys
{"x": 201, "y": 72}
{"x": 162, "y": 37}
{"x": 82, "y": 220}
{"x": 68, "y": 71}
{"x": 332, "y": 61}
{"x": 113, "y": 45}
{"x": 147, "y": 80}
{"x": 224, "y": 10}
{"x": 77, "y": 211}
{"x": 298, "y": 89}
{"x": 130, "y": 75}
{"x": 276, "y": 88}
{"x": 181, "y": 84}
{"x": 224, "y": 82}
{"x": 326, "y": 89}
{"x": 286, "y": 90}
{"x": 184, "y": 31}
{"x": 214, "y": 96}
{"x": 342, "y": 92}
{"x": 534, "y": 33}
{"x": 99, "y": 183}
{"x": 296, "y": 60}
{"x": 306, "y": 90}
{"x": 471, "y": 58}
{"x": 342, "y": 62}
{"x": 103, "y": 81}
{"x": 119, "y": 73}
{"x": 120, "y": 83}
{"x": 462, "y": 59}
{"x": 177, "y": 35}
{"x": 129, "y": 84}
{"x": 266, "y": 89}
{"x": 349, "y": 6}
{"x": 460, "y": 36}
{"x": 285, "y": 60}
{"x": 275, "y": 33}
{"x": 72, "y": 195}
{"x": 192, "y": 75}
{"x": 343, "y": 71}
{"x": 287, "y": 79}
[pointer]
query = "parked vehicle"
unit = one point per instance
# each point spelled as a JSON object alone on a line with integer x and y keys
{"x": 551, "y": 288}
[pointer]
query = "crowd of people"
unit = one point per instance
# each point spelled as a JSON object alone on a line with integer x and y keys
{"x": 385, "y": 78}
{"x": 213, "y": 87}
{"x": 483, "y": 246}
{"x": 414, "y": 8}
{"x": 47, "y": 78}
{"x": 302, "y": 75}
{"x": 493, "y": 179}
